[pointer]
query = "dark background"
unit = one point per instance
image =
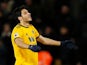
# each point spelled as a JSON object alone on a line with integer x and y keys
{"x": 56, "y": 19}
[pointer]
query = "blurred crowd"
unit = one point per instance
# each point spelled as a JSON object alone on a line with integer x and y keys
{"x": 56, "y": 19}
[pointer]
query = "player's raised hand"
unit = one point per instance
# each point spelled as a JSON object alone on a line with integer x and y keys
{"x": 69, "y": 44}
{"x": 34, "y": 48}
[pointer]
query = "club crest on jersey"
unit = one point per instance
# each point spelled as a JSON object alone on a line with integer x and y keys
{"x": 33, "y": 31}
{"x": 26, "y": 34}
{"x": 16, "y": 35}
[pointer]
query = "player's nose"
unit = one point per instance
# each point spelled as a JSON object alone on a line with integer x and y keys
{"x": 29, "y": 13}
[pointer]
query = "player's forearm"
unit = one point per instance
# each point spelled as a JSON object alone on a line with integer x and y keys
{"x": 49, "y": 41}
{"x": 21, "y": 44}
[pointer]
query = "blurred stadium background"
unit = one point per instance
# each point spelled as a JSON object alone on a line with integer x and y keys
{"x": 56, "y": 19}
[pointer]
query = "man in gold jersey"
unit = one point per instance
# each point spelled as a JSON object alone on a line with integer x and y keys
{"x": 24, "y": 39}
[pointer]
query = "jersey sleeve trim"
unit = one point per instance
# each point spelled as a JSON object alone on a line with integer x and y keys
{"x": 37, "y": 37}
{"x": 16, "y": 38}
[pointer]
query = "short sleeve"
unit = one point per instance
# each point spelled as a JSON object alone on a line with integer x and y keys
{"x": 17, "y": 34}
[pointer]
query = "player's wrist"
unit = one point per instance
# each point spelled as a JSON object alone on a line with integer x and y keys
{"x": 59, "y": 43}
{"x": 34, "y": 48}
{"x": 29, "y": 46}
{"x": 65, "y": 42}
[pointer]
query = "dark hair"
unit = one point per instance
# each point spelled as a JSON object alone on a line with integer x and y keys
{"x": 17, "y": 11}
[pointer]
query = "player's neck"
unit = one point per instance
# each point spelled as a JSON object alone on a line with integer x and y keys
{"x": 25, "y": 24}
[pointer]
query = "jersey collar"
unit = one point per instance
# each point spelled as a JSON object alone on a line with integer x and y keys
{"x": 23, "y": 26}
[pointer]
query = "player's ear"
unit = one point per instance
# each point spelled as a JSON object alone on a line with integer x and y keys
{"x": 19, "y": 18}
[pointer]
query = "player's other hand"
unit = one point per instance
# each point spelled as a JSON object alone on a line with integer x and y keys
{"x": 69, "y": 44}
{"x": 34, "y": 48}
